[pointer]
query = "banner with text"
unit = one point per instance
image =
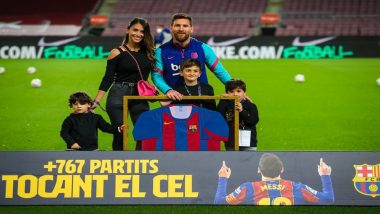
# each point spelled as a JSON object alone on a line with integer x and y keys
{"x": 302, "y": 178}
{"x": 330, "y": 47}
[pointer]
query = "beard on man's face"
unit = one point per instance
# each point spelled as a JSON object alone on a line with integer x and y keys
{"x": 181, "y": 38}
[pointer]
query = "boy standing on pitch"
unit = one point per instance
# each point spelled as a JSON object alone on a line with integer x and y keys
{"x": 190, "y": 70}
{"x": 248, "y": 116}
{"x": 80, "y": 129}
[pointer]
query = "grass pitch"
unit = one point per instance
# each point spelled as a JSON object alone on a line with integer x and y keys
{"x": 336, "y": 108}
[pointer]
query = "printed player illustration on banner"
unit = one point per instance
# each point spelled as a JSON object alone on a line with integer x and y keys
{"x": 272, "y": 189}
{"x": 367, "y": 179}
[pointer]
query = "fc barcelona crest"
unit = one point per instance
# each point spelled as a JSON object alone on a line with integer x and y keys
{"x": 367, "y": 179}
{"x": 193, "y": 128}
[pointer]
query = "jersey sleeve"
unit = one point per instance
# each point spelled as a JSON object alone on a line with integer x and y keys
{"x": 147, "y": 125}
{"x": 158, "y": 72}
{"x": 215, "y": 125}
{"x": 236, "y": 197}
{"x": 213, "y": 63}
{"x": 324, "y": 197}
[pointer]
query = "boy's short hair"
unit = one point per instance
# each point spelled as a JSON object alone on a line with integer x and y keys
{"x": 182, "y": 16}
{"x": 80, "y": 97}
{"x": 187, "y": 63}
{"x": 270, "y": 165}
{"x": 234, "y": 84}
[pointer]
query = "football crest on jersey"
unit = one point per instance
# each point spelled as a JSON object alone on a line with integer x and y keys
{"x": 193, "y": 128}
{"x": 194, "y": 55}
{"x": 367, "y": 179}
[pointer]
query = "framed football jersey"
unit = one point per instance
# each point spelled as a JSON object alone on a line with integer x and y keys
{"x": 181, "y": 128}
{"x": 163, "y": 137}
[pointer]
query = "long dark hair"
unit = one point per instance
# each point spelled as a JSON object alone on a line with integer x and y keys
{"x": 148, "y": 43}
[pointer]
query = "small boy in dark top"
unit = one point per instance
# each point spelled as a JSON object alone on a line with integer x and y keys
{"x": 190, "y": 70}
{"x": 248, "y": 113}
{"x": 80, "y": 129}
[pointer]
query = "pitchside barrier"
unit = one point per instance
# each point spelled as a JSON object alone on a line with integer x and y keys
{"x": 188, "y": 178}
{"x": 246, "y": 47}
{"x": 165, "y": 98}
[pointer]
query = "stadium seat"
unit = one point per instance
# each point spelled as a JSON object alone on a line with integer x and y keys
{"x": 334, "y": 17}
{"x": 214, "y": 17}
{"x": 31, "y": 15}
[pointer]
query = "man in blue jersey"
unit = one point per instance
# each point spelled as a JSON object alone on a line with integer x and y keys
{"x": 272, "y": 189}
{"x": 169, "y": 55}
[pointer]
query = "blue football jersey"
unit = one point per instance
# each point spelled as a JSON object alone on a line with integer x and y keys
{"x": 159, "y": 130}
{"x": 275, "y": 192}
{"x": 169, "y": 56}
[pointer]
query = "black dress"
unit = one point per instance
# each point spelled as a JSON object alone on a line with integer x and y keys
{"x": 122, "y": 73}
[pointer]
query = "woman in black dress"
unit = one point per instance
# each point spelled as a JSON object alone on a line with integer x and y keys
{"x": 122, "y": 73}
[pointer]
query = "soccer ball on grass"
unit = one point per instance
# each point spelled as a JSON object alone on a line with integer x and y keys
{"x": 2, "y": 70}
{"x": 31, "y": 70}
{"x": 36, "y": 83}
{"x": 299, "y": 78}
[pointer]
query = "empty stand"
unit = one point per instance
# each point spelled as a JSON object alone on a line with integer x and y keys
{"x": 243, "y": 6}
{"x": 211, "y": 17}
{"x": 133, "y": 6}
{"x": 327, "y": 17}
{"x": 210, "y": 6}
{"x": 44, "y": 17}
{"x": 170, "y": 6}
{"x": 37, "y": 11}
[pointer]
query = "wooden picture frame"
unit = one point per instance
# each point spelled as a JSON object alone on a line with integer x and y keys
{"x": 165, "y": 98}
